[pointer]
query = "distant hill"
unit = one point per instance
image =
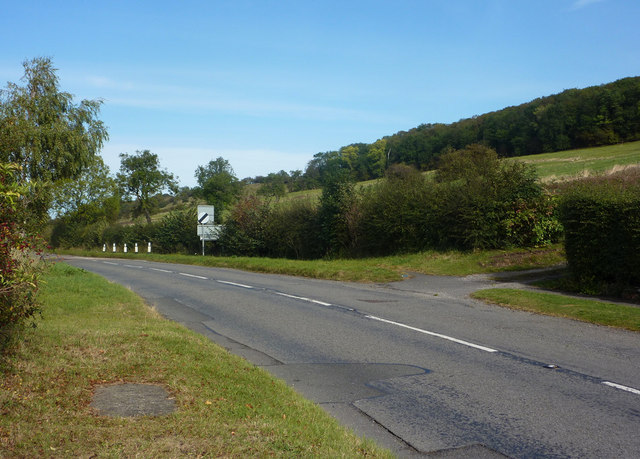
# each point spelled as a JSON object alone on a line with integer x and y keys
{"x": 576, "y": 118}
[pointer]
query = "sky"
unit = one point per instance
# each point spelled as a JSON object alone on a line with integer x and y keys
{"x": 268, "y": 84}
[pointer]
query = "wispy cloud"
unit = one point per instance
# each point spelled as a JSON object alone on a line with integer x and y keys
{"x": 579, "y": 4}
{"x": 102, "y": 82}
{"x": 242, "y": 106}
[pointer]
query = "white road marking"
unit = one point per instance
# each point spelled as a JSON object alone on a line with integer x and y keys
{"x": 621, "y": 387}
{"x": 161, "y": 270}
{"x": 303, "y": 299}
{"x": 235, "y": 284}
{"x": 110, "y": 263}
{"x": 193, "y": 275}
{"x": 438, "y": 335}
{"x": 133, "y": 266}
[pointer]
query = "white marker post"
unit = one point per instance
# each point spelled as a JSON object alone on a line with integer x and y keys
{"x": 149, "y": 248}
{"x": 136, "y": 248}
{"x": 104, "y": 247}
{"x": 114, "y": 247}
{"x": 125, "y": 247}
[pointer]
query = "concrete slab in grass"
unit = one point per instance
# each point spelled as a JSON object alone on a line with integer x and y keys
{"x": 130, "y": 400}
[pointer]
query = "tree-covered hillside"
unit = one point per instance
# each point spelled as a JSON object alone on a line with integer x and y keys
{"x": 575, "y": 118}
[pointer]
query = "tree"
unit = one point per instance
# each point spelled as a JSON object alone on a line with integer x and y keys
{"x": 43, "y": 131}
{"x": 44, "y": 138}
{"x": 217, "y": 184}
{"x": 474, "y": 162}
{"x": 274, "y": 185}
{"x": 140, "y": 177}
{"x": 338, "y": 213}
{"x": 94, "y": 194}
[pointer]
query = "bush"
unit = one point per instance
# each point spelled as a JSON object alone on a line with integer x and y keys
{"x": 479, "y": 200}
{"x": 292, "y": 231}
{"x": 601, "y": 218}
{"x": 19, "y": 253}
{"x": 397, "y": 213}
{"x": 176, "y": 233}
{"x": 244, "y": 232}
{"x": 338, "y": 215}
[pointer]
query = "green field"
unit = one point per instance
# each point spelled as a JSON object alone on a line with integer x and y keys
{"x": 569, "y": 164}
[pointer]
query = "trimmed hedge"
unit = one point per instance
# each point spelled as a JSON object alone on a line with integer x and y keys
{"x": 602, "y": 232}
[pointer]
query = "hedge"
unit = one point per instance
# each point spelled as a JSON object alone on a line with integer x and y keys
{"x": 602, "y": 232}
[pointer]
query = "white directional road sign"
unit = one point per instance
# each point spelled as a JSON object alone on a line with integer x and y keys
{"x": 205, "y": 215}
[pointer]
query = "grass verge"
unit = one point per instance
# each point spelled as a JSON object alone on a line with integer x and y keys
{"x": 596, "y": 312}
{"x": 380, "y": 269}
{"x": 94, "y": 332}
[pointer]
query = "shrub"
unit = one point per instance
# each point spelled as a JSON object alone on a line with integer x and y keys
{"x": 396, "y": 213}
{"x": 176, "y": 232}
{"x": 292, "y": 230}
{"x": 244, "y": 231}
{"x": 19, "y": 253}
{"x": 601, "y": 218}
{"x": 338, "y": 215}
{"x": 479, "y": 198}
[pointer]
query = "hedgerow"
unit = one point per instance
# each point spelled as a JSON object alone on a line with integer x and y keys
{"x": 601, "y": 217}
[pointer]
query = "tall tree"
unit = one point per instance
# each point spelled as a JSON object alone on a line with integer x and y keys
{"x": 217, "y": 184}
{"x": 140, "y": 177}
{"x": 43, "y": 131}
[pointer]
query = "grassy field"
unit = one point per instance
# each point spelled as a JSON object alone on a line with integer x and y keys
{"x": 596, "y": 312}
{"x": 381, "y": 269}
{"x": 589, "y": 161}
{"x": 93, "y": 332}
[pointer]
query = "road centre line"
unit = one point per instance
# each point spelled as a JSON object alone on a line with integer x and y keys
{"x": 110, "y": 263}
{"x": 193, "y": 275}
{"x": 322, "y": 303}
{"x": 161, "y": 270}
{"x": 133, "y": 266}
{"x": 621, "y": 387}
{"x": 235, "y": 284}
{"x": 438, "y": 335}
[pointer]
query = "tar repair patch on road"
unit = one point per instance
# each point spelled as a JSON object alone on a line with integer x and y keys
{"x": 130, "y": 400}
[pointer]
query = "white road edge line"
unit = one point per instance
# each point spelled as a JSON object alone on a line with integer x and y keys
{"x": 303, "y": 299}
{"x": 234, "y": 283}
{"x": 193, "y": 275}
{"x": 161, "y": 270}
{"x": 438, "y": 335}
{"x": 110, "y": 263}
{"x": 621, "y": 387}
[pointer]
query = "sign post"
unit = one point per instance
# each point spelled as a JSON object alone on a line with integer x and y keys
{"x": 207, "y": 230}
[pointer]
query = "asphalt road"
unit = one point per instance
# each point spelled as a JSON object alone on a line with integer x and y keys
{"x": 417, "y": 365}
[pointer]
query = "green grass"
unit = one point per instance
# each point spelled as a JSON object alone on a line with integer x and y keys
{"x": 380, "y": 269}
{"x": 596, "y": 312}
{"x": 94, "y": 332}
{"x": 587, "y": 161}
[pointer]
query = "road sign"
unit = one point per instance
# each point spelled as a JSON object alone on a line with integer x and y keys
{"x": 209, "y": 232}
{"x": 205, "y": 215}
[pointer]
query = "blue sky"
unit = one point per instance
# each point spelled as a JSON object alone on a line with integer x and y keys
{"x": 267, "y": 84}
